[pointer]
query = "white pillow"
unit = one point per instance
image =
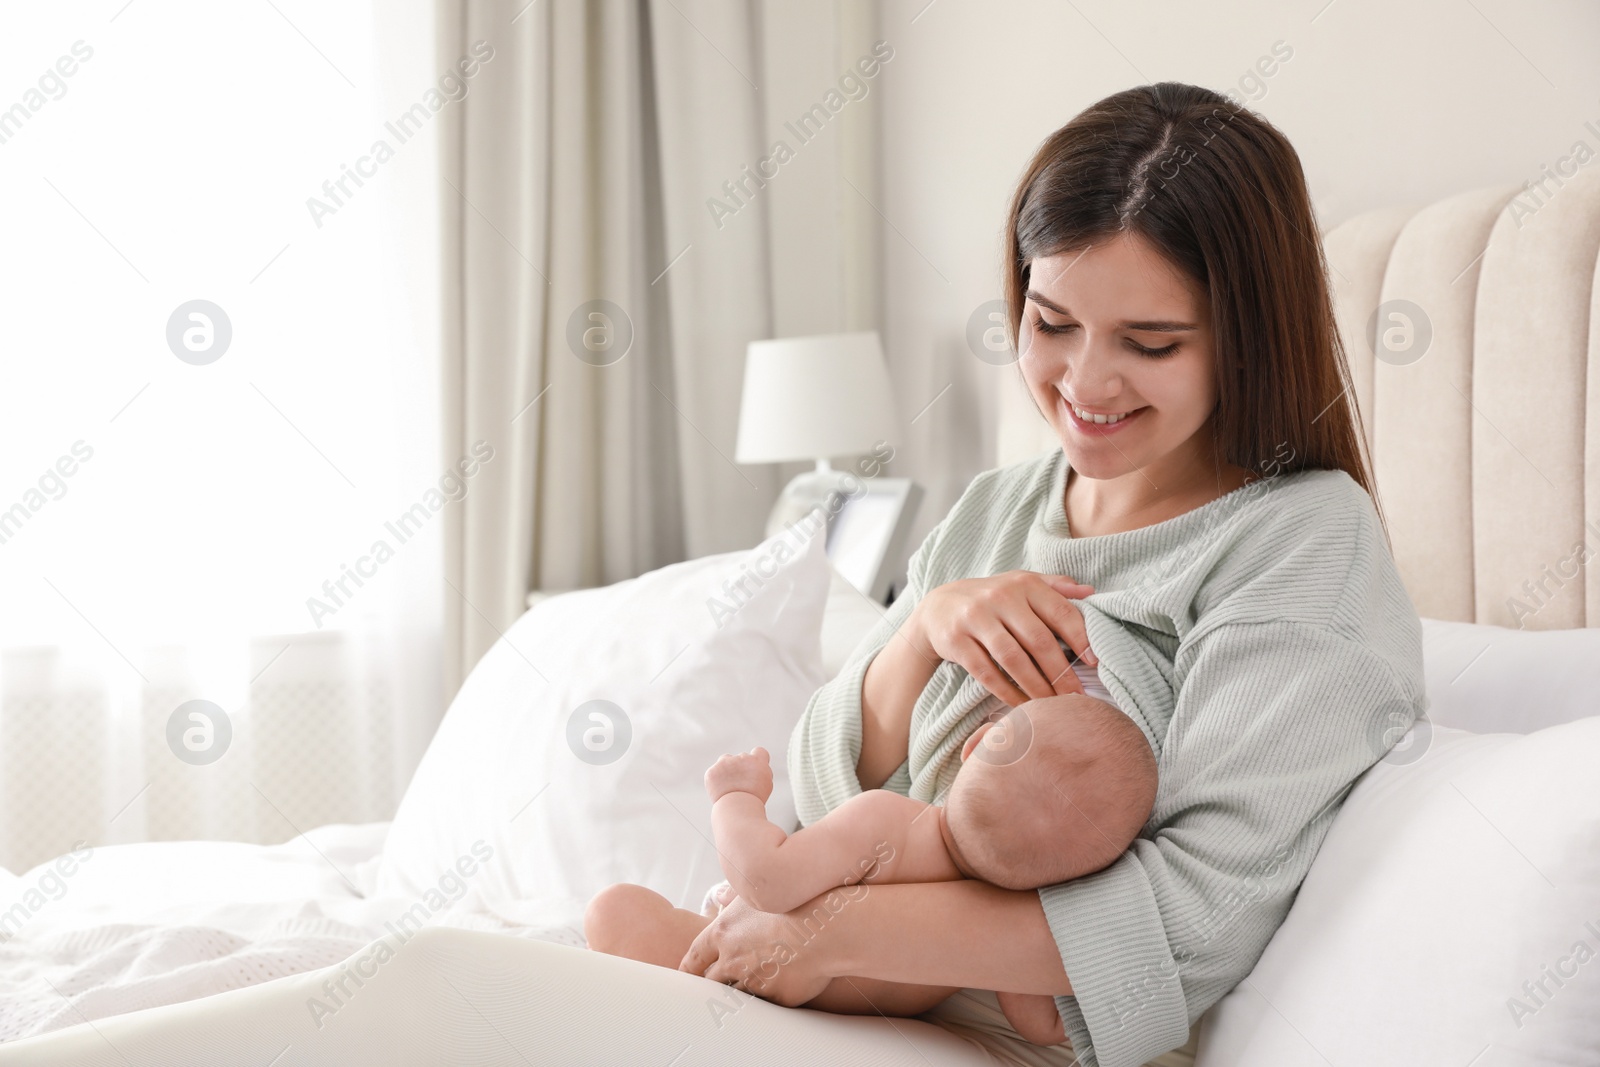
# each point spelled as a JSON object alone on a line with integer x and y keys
{"x": 848, "y": 618}
{"x": 1490, "y": 679}
{"x": 713, "y": 655}
{"x": 1442, "y": 887}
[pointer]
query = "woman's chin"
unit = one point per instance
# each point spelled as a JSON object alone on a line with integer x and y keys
{"x": 1097, "y": 463}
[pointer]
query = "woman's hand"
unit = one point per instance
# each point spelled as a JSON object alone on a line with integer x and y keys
{"x": 1003, "y": 630}
{"x": 756, "y": 952}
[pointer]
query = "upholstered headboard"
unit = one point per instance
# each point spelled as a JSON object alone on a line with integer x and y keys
{"x": 1483, "y": 411}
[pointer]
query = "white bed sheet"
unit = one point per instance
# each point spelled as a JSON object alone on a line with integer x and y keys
{"x": 227, "y": 945}
{"x": 464, "y": 997}
{"x": 140, "y": 926}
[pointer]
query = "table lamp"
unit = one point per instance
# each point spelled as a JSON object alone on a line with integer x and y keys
{"x": 812, "y": 398}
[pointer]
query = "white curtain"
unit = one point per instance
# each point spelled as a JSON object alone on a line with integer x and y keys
{"x": 353, "y": 183}
{"x": 174, "y": 530}
{"x": 595, "y": 314}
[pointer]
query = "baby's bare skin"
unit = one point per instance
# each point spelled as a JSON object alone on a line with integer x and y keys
{"x": 878, "y": 836}
{"x": 875, "y": 836}
{"x": 641, "y": 924}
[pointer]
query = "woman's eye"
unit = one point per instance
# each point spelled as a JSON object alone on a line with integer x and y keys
{"x": 1153, "y": 353}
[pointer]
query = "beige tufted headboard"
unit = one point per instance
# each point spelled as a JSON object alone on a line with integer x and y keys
{"x": 1486, "y": 447}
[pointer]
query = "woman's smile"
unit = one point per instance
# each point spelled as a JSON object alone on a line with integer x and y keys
{"x": 1100, "y": 423}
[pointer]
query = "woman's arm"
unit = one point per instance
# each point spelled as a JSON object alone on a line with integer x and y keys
{"x": 895, "y": 678}
{"x": 965, "y": 934}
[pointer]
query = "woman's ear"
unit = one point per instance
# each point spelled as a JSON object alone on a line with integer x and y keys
{"x": 972, "y": 742}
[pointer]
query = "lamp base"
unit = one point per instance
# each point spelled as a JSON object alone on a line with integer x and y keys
{"x": 813, "y": 489}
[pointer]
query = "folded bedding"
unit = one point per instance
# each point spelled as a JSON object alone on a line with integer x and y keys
{"x": 126, "y": 927}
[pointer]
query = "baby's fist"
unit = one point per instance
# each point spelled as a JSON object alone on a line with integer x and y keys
{"x": 741, "y": 772}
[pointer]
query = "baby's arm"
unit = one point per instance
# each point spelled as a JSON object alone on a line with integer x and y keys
{"x": 877, "y": 835}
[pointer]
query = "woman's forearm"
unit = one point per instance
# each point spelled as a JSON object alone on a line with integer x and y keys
{"x": 894, "y": 679}
{"x": 968, "y": 934}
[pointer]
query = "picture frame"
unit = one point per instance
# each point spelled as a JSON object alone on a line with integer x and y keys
{"x": 868, "y": 534}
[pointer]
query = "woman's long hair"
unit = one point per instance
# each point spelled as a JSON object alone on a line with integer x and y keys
{"x": 1220, "y": 192}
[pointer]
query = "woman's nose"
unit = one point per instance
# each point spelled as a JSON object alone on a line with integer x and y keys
{"x": 1092, "y": 375}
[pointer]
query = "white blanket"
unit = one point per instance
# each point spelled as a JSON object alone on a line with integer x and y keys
{"x": 138, "y": 926}
{"x": 279, "y": 931}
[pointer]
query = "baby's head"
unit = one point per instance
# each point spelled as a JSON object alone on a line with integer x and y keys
{"x": 1053, "y": 790}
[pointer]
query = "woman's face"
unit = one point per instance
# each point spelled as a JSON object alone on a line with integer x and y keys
{"x": 1116, "y": 332}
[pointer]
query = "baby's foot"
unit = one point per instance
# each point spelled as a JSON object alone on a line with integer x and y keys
{"x": 1034, "y": 1016}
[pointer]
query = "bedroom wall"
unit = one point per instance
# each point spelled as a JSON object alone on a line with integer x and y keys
{"x": 1386, "y": 103}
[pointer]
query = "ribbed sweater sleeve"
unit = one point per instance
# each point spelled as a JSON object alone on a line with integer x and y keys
{"x": 1274, "y": 722}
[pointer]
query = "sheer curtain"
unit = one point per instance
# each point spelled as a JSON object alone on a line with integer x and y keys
{"x": 220, "y": 472}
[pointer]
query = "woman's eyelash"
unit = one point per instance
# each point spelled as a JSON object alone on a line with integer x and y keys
{"x": 1154, "y": 353}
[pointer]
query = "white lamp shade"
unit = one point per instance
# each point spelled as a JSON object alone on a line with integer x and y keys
{"x": 814, "y": 397}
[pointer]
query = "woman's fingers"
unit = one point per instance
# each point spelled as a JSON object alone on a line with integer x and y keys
{"x": 726, "y": 974}
{"x": 702, "y": 952}
{"x": 1007, "y": 631}
{"x": 1067, "y": 587}
{"x": 1042, "y": 645}
{"x": 1064, "y": 618}
{"x": 977, "y": 662}
{"x": 1065, "y": 680}
{"x": 1025, "y": 670}
{"x": 1064, "y": 578}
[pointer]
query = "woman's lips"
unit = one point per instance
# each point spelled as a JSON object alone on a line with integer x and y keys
{"x": 1101, "y": 429}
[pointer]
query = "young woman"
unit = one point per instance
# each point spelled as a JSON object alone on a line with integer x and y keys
{"x": 1171, "y": 312}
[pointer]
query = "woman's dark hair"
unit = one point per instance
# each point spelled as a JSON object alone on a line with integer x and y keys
{"x": 1220, "y": 192}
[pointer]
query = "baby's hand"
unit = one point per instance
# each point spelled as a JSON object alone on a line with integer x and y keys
{"x": 742, "y": 772}
{"x": 718, "y": 897}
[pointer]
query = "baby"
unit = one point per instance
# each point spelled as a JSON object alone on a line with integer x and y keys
{"x": 1049, "y": 791}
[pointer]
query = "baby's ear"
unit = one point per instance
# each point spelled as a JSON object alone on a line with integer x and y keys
{"x": 972, "y": 742}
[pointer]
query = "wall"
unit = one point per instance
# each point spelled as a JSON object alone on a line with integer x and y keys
{"x": 1386, "y": 103}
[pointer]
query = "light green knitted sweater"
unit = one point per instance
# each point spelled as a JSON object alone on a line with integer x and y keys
{"x": 1267, "y": 648}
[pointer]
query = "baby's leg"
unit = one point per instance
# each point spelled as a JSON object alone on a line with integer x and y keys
{"x": 870, "y": 996}
{"x": 641, "y": 924}
{"x": 1034, "y": 1016}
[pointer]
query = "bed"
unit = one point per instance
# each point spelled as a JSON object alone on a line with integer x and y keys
{"x": 1483, "y": 417}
